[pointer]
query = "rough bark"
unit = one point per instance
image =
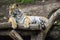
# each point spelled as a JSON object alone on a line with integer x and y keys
{"x": 6, "y": 25}
{"x": 51, "y": 21}
{"x": 13, "y": 34}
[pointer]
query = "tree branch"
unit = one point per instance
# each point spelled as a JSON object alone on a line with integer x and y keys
{"x": 13, "y": 34}
{"x": 6, "y": 25}
{"x": 51, "y": 21}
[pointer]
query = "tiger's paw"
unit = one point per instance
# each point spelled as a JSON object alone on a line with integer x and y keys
{"x": 26, "y": 26}
{"x": 14, "y": 26}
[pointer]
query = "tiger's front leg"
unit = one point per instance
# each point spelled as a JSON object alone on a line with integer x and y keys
{"x": 13, "y": 22}
{"x": 26, "y": 22}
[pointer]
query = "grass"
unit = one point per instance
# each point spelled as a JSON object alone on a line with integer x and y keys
{"x": 24, "y": 1}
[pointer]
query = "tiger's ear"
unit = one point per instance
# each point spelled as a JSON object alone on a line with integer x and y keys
{"x": 15, "y": 5}
{"x": 12, "y": 7}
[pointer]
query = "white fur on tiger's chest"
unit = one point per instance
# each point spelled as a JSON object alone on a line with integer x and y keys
{"x": 19, "y": 19}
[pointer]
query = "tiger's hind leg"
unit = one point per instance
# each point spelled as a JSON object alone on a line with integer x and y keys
{"x": 42, "y": 23}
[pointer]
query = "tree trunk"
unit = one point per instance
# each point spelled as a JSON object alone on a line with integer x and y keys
{"x": 13, "y": 34}
{"x": 51, "y": 21}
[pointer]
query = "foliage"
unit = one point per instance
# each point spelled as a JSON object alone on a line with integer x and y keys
{"x": 58, "y": 22}
{"x": 24, "y": 1}
{"x": 57, "y": 25}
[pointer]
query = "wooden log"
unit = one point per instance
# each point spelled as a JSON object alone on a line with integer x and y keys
{"x": 6, "y": 25}
{"x": 50, "y": 22}
{"x": 4, "y": 33}
{"x": 13, "y": 34}
{"x": 32, "y": 26}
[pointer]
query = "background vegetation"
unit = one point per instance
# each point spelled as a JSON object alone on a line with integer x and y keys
{"x": 17, "y": 1}
{"x": 24, "y": 1}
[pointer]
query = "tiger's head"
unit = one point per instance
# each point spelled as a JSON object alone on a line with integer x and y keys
{"x": 14, "y": 10}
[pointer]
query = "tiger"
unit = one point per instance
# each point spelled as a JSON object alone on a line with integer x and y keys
{"x": 18, "y": 17}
